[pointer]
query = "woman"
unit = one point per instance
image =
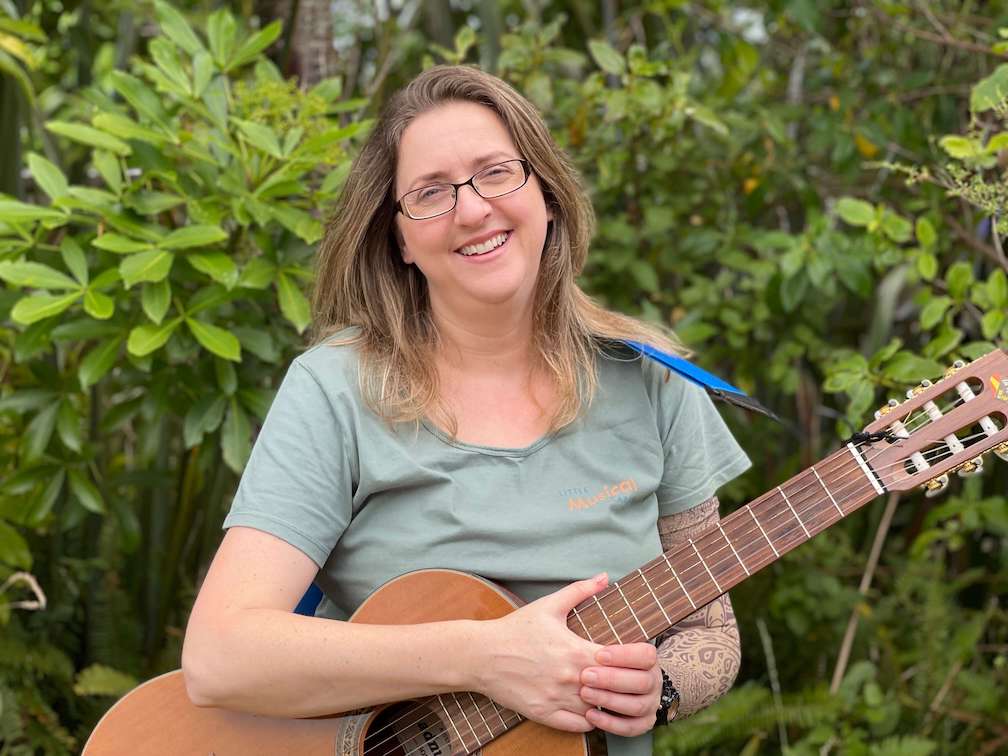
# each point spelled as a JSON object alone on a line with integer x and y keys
{"x": 464, "y": 406}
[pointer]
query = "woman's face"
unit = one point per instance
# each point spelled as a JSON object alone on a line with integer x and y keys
{"x": 450, "y": 143}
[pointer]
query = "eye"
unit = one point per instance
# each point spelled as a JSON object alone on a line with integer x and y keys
{"x": 429, "y": 193}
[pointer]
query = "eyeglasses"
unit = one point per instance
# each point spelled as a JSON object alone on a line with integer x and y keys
{"x": 438, "y": 199}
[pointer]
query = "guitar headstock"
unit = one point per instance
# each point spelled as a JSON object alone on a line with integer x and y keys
{"x": 942, "y": 427}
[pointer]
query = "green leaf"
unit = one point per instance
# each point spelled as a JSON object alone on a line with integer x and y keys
{"x": 177, "y": 28}
{"x": 91, "y": 137}
{"x": 960, "y": 147}
{"x": 120, "y": 244}
{"x": 607, "y": 58}
{"x": 145, "y": 339}
{"x": 959, "y": 277}
{"x": 257, "y": 401}
{"x": 258, "y": 273}
{"x": 215, "y": 339}
{"x": 227, "y": 378}
{"x": 897, "y": 228}
{"x": 293, "y": 304}
{"x": 926, "y": 234}
{"x": 235, "y": 437}
{"x": 13, "y": 548}
{"x": 221, "y": 32}
{"x": 85, "y": 491}
{"x": 155, "y": 299}
{"x": 193, "y": 236}
{"x": 74, "y": 259}
{"x": 12, "y": 211}
{"x": 992, "y": 323}
{"x": 47, "y": 175}
{"x": 99, "y": 680}
{"x": 991, "y": 91}
{"x": 262, "y": 137}
{"x": 40, "y": 306}
{"x": 255, "y": 45}
{"x": 927, "y": 265}
{"x": 997, "y": 288}
{"x": 124, "y": 128}
{"x": 146, "y": 266}
{"x": 68, "y": 426}
{"x": 98, "y": 362}
{"x": 165, "y": 56}
{"x": 152, "y": 203}
{"x": 31, "y": 275}
{"x": 855, "y": 212}
{"x": 644, "y": 274}
{"x": 945, "y": 341}
{"x": 934, "y": 311}
{"x": 26, "y": 400}
{"x": 38, "y": 433}
{"x": 97, "y": 305}
{"x": 217, "y": 265}
{"x": 707, "y": 117}
{"x": 909, "y": 368}
{"x": 107, "y": 165}
{"x": 203, "y": 417}
{"x": 259, "y": 342}
{"x": 203, "y": 71}
{"x": 298, "y": 221}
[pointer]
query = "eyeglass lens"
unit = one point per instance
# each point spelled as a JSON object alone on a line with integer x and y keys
{"x": 440, "y": 198}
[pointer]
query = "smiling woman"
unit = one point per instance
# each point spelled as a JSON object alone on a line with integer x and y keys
{"x": 461, "y": 408}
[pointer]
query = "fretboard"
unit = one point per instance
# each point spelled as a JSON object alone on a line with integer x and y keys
{"x": 647, "y": 602}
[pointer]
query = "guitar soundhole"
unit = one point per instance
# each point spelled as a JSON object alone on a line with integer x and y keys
{"x": 407, "y": 729}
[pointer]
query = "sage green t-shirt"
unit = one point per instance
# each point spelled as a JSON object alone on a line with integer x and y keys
{"x": 368, "y": 503}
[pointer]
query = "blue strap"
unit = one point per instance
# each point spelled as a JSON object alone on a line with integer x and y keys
{"x": 685, "y": 368}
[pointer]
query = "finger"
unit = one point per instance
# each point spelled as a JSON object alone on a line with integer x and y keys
{"x": 620, "y": 680}
{"x": 571, "y": 595}
{"x": 632, "y": 655}
{"x": 568, "y": 721}
{"x": 626, "y": 726}
{"x": 628, "y": 705}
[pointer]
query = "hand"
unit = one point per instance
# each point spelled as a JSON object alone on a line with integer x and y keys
{"x": 627, "y": 682}
{"x": 534, "y": 661}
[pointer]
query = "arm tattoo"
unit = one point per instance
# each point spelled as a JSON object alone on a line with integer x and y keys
{"x": 701, "y": 653}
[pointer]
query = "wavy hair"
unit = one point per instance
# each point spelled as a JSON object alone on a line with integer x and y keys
{"x": 362, "y": 282}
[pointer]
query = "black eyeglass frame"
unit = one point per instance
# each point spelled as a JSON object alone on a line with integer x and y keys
{"x": 400, "y": 207}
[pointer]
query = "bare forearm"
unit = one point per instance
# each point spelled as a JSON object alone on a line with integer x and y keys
{"x": 272, "y": 662}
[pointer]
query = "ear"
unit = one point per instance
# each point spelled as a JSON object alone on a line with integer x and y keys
{"x": 401, "y": 243}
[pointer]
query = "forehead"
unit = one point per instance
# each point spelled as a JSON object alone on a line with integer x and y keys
{"x": 449, "y": 139}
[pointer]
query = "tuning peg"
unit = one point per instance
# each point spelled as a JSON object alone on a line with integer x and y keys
{"x": 887, "y": 408}
{"x": 936, "y": 486}
{"x": 925, "y": 384}
{"x": 968, "y": 469}
{"x": 1002, "y": 451}
{"x": 956, "y": 367}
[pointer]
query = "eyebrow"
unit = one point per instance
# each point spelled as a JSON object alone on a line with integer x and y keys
{"x": 478, "y": 161}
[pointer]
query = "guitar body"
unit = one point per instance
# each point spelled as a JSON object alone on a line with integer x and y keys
{"x": 158, "y": 718}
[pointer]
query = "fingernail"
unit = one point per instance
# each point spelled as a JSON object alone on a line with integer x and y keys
{"x": 590, "y": 677}
{"x": 603, "y": 657}
{"x": 601, "y": 577}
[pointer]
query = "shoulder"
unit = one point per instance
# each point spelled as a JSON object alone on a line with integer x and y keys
{"x": 332, "y": 363}
{"x": 619, "y": 364}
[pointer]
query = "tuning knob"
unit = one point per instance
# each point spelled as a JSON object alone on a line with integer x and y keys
{"x": 936, "y": 485}
{"x": 1002, "y": 451}
{"x": 925, "y": 384}
{"x": 956, "y": 367}
{"x": 887, "y": 408}
{"x": 973, "y": 467}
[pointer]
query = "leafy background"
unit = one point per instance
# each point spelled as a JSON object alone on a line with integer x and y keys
{"x": 811, "y": 193}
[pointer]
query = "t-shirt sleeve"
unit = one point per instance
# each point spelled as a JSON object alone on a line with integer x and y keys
{"x": 298, "y": 483}
{"x": 700, "y": 452}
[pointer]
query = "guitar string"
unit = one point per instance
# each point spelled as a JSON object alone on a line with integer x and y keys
{"x": 803, "y": 510}
{"x": 907, "y": 424}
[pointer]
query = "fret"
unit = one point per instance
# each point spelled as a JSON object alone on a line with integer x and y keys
{"x": 681, "y": 586}
{"x": 753, "y": 515}
{"x": 632, "y": 612}
{"x": 816, "y": 472}
{"x": 606, "y": 618}
{"x": 866, "y": 470}
{"x": 697, "y": 552}
{"x": 583, "y": 625}
{"x": 466, "y": 717}
{"x": 452, "y": 723}
{"x": 498, "y": 712}
{"x": 725, "y": 536}
{"x": 788, "y": 502}
{"x": 480, "y": 712}
{"x": 668, "y": 621}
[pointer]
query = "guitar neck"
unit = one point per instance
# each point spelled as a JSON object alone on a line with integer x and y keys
{"x": 650, "y": 600}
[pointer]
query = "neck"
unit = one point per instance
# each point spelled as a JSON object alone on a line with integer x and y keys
{"x": 499, "y": 340}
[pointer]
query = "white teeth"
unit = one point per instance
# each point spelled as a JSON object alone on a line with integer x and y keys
{"x": 484, "y": 247}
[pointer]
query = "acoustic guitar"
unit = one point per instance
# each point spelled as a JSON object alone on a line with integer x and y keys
{"x": 941, "y": 428}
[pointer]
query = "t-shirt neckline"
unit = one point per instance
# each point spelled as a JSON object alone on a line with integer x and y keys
{"x": 498, "y": 451}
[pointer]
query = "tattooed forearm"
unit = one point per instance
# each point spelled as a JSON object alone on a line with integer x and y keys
{"x": 701, "y": 653}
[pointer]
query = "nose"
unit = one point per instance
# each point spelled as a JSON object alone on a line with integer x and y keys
{"x": 470, "y": 208}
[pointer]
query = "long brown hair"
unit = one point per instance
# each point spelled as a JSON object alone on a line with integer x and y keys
{"x": 362, "y": 281}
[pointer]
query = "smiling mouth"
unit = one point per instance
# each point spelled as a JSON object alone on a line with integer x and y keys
{"x": 475, "y": 250}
